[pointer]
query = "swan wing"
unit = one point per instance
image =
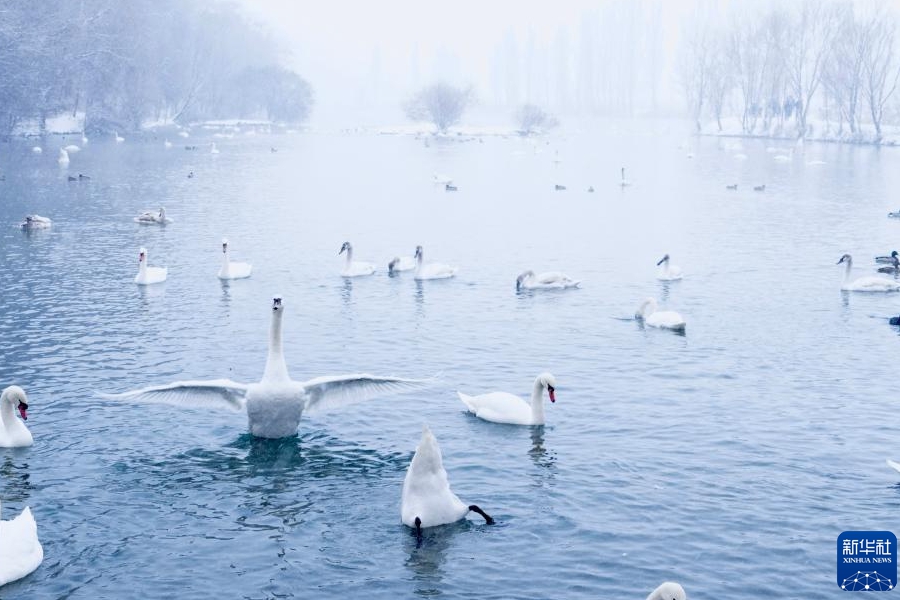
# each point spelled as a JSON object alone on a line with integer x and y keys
{"x": 894, "y": 465}
{"x": 215, "y": 393}
{"x": 324, "y": 393}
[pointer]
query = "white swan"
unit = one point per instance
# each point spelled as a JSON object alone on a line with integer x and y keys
{"x": 275, "y": 404}
{"x": 431, "y": 270}
{"x": 503, "y": 407}
{"x": 665, "y": 319}
{"x": 784, "y": 157}
{"x": 63, "y": 159}
{"x": 894, "y": 465}
{"x": 20, "y": 550}
{"x": 183, "y": 134}
{"x": 427, "y": 499}
{"x": 624, "y": 182}
{"x": 118, "y": 137}
{"x": 152, "y": 218}
{"x": 13, "y": 432}
{"x": 401, "y": 263}
{"x": 442, "y": 179}
{"x": 667, "y": 272}
{"x": 36, "y": 222}
{"x": 84, "y": 139}
{"x": 37, "y": 150}
{"x": 213, "y": 149}
{"x": 545, "y": 281}
{"x": 865, "y": 284}
{"x": 354, "y": 268}
{"x": 668, "y": 591}
{"x": 167, "y": 143}
{"x": 149, "y": 275}
{"x": 232, "y": 270}
{"x": 72, "y": 148}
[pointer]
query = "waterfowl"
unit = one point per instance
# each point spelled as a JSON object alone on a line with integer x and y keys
{"x": 894, "y": 268}
{"x": 13, "y": 432}
{"x": 118, "y": 137}
{"x": 668, "y": 272}
{"x": 354, "y": 268}
{"x": 149, "y": 275}
{"x": 427, "y": 500}
{"x": 668, "y": 591}
{"x": 36, "y": 222}
{"x": 232, "y": 270}
{"x": 887, "y": 259}
{"x": 503, "y": 407}
{"x": 559, "y": 188}
{"x": 732, "y": 187}
{"x": 448, "y": 187}
{"x": 20, "y": 550}
{"x": 759, "y": 188}
{"x": 274, "y": 404}
{"x": 865, "y": 284}
{"x": 63, "y": 159}
{"x": 545, "y": 281}
{"x": 649, "y": 314}
{"x": 152, "y": 218}
{"x": 431, "y": 270}
{"x": 624, "y": 182}
{"x": 401, "y": 263}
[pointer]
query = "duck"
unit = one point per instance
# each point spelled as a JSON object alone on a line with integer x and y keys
{"x": 427, "y": 500}
{"x": 624, "y": 182}
{"x": 668, "y": 591}
{"x": 232, "y": 270}
{"x": 590, "y": 190}
{"x": 503, "y": 407}
{"x": 668, "y": 272}
{"x": 36, "y": 222}
{"x": 63, "y": 159}
{"x": 893, "y": 268}
{"x": 759, "y": 188}
{"x": 354, "y": 268}
{"x": 545, "y": 281}
{"x": 20, "y": 550}
{"x": 559, "y": 188}
{"x": 190, "y": 175}
{"x": 448, "y": 187}
{"x": 732, "y": 187}
{"x": 894, "y": 215}
{"x": 865, "y": 284}
{"x": 887, "y": 259}
{"x": 275, "y": 404}
{"x": 649, "y": 314}
{"x": 442, "y": 179}
{"x": 149, "y": 275}
{"x": 401, "y": 263}
{"x": 431, "y": 270}
{"x": 152, "y": 218}
{"x": 13, "y": 432}
{"x": 118, "y": 137}
{"x": 83, "y": 177}
{"x": 894, "y": 320}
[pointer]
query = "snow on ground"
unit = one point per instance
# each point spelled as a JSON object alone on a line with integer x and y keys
{"x": 817, "y": 130}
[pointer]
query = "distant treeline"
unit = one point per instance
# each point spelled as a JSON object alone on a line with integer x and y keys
{"x": 780, "y": 67}
{"x": 125, "y": 62}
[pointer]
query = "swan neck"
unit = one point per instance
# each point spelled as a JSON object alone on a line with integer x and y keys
{"x": 7, "y": 411}
{"x": 537, "y": 401}
{"x": 225, "y": 259}
{"x": 349, "y": 255}
{"x": 276, "y": 369}
{"x": 849, "y": 266}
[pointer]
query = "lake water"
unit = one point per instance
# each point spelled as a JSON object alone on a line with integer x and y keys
{"x": 728, "y": 459}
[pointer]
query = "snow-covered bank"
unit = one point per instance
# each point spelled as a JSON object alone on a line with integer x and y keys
{"x": 817, "y": 131}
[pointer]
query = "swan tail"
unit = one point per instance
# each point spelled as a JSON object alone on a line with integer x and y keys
{"x": 487, "y": 518}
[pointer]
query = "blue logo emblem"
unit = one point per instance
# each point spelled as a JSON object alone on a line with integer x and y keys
{"x": 867, "y": 561}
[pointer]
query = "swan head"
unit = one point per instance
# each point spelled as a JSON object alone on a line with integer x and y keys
{"x": 346, "y": 246}
{"x": 847, "y": 259}
{"x": 521, "y": 278}
{"x": 277, "y": 304}
{"x": 418, "y": 251}
{"x": 669, "y": 591}
{"x": 224, "y": 244}
{"x": 19, "y": 399}
{"x": 393, "y": 264}
{"x": 662, "y": 260}
{"x": 142, "y": 255}
{"x": 548, "y": 381}
{"x": 162, "y": 210}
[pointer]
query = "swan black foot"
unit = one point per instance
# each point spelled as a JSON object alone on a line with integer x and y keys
{"x": 487, "y": 518}
{"x": 418, "y": 529}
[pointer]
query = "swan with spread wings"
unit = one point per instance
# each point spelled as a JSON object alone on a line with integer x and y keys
{"x": 275, "y": 404}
